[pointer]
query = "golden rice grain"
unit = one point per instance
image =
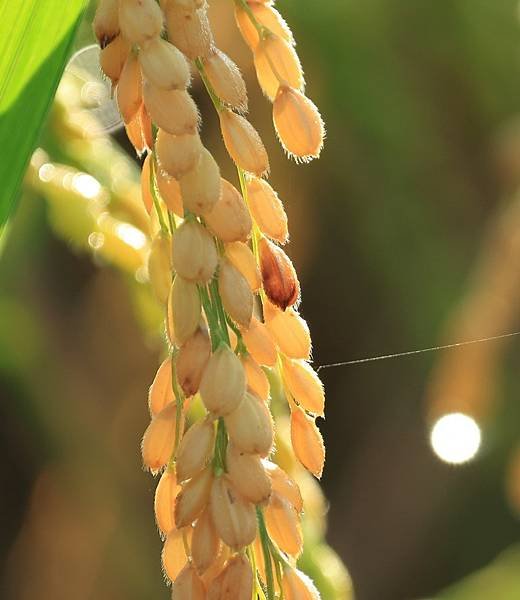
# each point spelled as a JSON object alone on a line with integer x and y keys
{"x": 188, "y": 585}
{"x": 229, "y": 219}
{"x": 298, "y": 124}
{"x": 289, "y": 331}
{"x": 276, "y": 63}
{"x": 267, "y": 210}
{"x": 189, "y": 30}
{"x": 164, "y": 502}
{"x": 279, "y": 278}
{"x": 170, "y": 192}
{"x": 223, "y": 384}
{"x": 304, "y": 384}
{"x": 193, "y": 498}
{"x": 171, "y": 110}
{"x": 283, "y": 525}
{"x": 243, "y": 143}
{"x": 250, "y": 426}
{"x": 194, "y": 252}
{"x": 178, "y": 154}
{"x": 195, "y": 449}
{"x": 259, "y": 343}
{"x": 241, "y": 256}
{"x": 159, "y": 438}
{"x": 234, "y": 517}
{"x": 173, "y": 555}
{"x": 164, "y": 65}
{"x": 201, "y": 187}
{"x": 161, "y": 393}
{"x": 307, "y": 442}
{"x": 184, "y": 310}
{"x": 248, "y": 475}
{"x": 129, "y": 89}
{"x": 226, "y": 80}
{"x": 256, "y": 378}
{"x": 235, "y": 292}
{"x": 192, "y": 359}
{"x": 140, "y": 20}
{"x": 106, "y": 22}
{"x": 205, "y": 544}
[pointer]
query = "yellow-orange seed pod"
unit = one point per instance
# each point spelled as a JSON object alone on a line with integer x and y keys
{"x": 195, "y": 449}
{"x": 161, "y": 393}
{"x": 171, "y": 110}
{"x": 235, "y": 292}
{"x": 146, "y": 126}
{"x": 267, "y": 210}
{"x": 140, "y": 20}
{"x": 256, "y": 378}
{"x": 234, "y": 517}
{"x": 205, "y": 544}
{"x": 304, "y": 384}
{"x": 284, "y": 486}
{"x": 193, "y": 497}
{"x": 223, "y": 384}
{"x": 146, "y": 192}
{"x": 235, "y": 582}
{"x": 279, "y": 278}
{"x": 267, "y": 16}
{"x": 201, "y": 186}
{"x": 129, "y": 89}
{"x": 259, "y": 343}
{"x": 215, "y": 569}
{"x": 226, "y": 80}
{"x": 241, "y": 256}
{"x": 298, "y": 124}
{"x": 189, "y": 30}
{"x": 191, "y": 361}
{"x": 277, "y": 63}
{"x": 297, "y": 586}
{"x": 243, "y": 143}
{"x": 283, "y": 525}
{"x": 160, "y": 266}
{"x": 159, "y": 438}
{"x": 289, "y": 331}
{"x": 173, "y": 554}
{"x": 229, "y": 219}
{"x": 135, "y": 130}
{"x": 170, "y": 192}
{"x": 106, "y": 22}
{"x": 178, "y": 154}
{"x": 165, "y": 493}
{"x": 307, "y": 442}
{"x": 188, "y": 585}
{"x": 113, "y": 57}
{"x": 184, "y": 310}
{"x": 248, "y": 475}
{"x": 164, "y": 66}
{"x": 250, "y": 426}
{"x": 194, "y": 253}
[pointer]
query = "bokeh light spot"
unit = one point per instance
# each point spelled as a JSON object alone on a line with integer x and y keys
{"x": 455, "y": 438}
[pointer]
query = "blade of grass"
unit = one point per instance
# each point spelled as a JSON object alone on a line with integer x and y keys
{"x": 35, "y": 42}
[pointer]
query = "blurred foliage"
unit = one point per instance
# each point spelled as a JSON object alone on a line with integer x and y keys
{"x": 31, "y": 65}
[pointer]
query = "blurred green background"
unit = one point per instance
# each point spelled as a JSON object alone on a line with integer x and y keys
{"x": 405, "y": 234}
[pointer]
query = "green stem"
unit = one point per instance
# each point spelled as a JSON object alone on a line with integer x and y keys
{"x": 162, "y": 222}
{"x": 217, "y": 102}
{"x": 217, "y": 302}
{"x": 261, "y": 29}
{"x": 179, "y": 402}
{"x": 212, "y": 316}
{"x": 219, "y": 455}
{"x": 264, "y": 538}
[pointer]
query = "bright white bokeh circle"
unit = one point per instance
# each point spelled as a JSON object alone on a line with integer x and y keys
{"x": 455, "y": 438}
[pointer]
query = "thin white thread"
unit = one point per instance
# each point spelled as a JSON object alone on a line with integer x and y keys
{"x": 359, "y": 361}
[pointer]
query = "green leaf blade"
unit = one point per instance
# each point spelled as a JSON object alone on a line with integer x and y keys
{"x": 35, "y": 43}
